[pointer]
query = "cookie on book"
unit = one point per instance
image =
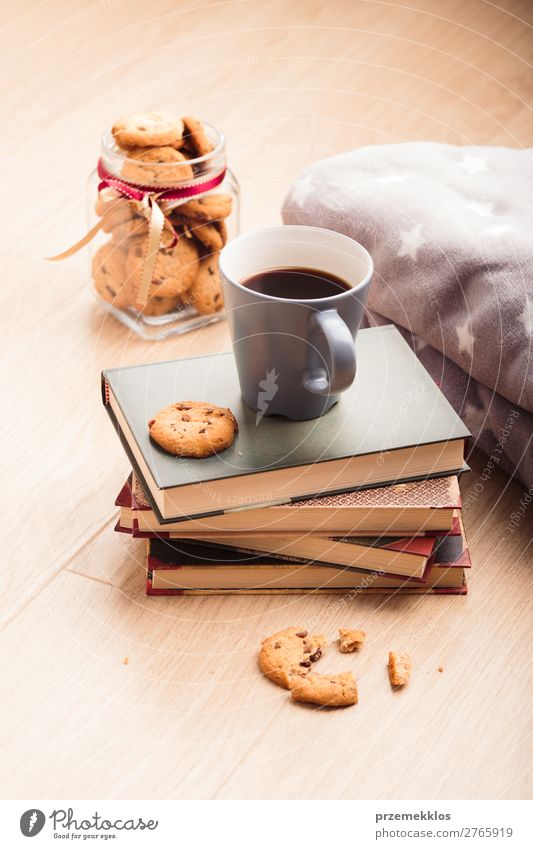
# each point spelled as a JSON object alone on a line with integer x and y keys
{"x": 193, "y": 429}
{"x": 288, "y": 651}
{"x": 324, "y": 690}
{"x": 400, "y": 667}
{"x": 350, "y": 639}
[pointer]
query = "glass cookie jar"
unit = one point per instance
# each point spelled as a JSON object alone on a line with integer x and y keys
{"x": 194, "y": 201}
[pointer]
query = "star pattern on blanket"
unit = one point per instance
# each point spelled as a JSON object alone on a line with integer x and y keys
{"x": 475, "y": 417}
{"x": 420, "y": 344}
{"x": 498, "y": 229}
{"x": 483, "y": 209}
{"x": 526, "y": 316}
{"x": 410, "y": 242}
{"x": 461, "y": 279}
{"x": 475, "y": 164}
{"x": 465, "y": 338}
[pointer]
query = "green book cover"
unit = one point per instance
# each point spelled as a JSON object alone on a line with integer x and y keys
{"x": 392, "y": 404}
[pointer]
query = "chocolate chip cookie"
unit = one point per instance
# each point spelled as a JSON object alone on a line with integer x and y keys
{"x": 148, "y": 129}
{"x": 195, "y": 136}
{"x": 157, "y": 305}
{"x": 158, "y": 166}
{"x": 210, "y": 207}
{"x": 288, "y": 651}
{"x": 325, "y": 690}
{"x": 205, "y": 294}
{"x": 193, "y": 429}
{"x": 209, "y": 236}
{"x": 109, "y": 274}
{"x": 174, "y": 272}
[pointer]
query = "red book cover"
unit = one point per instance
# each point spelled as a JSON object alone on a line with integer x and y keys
{"x": 125, "y": 496}
{"x": 175, "y": 554}
{"x": 412, "y": 545}
{"x": 120, "y": 529}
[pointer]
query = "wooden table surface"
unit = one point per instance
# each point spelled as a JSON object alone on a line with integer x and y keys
{"x": 189, "y": 716}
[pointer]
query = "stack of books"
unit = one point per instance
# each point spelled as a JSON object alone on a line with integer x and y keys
{"x": 363, "y": 500}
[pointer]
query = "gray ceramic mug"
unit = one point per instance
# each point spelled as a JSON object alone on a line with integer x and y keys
{"x": 294, "y": 357}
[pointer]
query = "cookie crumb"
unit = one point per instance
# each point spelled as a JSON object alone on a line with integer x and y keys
{"x": 400, "y": 667}
{"x": 350, "y": 640}
{"x": 440, "y": 669}
{"x": 126, "y": 661}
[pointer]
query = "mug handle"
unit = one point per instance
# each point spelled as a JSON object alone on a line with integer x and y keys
{"x": 341, "y": 355}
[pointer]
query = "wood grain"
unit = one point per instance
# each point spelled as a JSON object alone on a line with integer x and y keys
{"x": 188, "y": 716}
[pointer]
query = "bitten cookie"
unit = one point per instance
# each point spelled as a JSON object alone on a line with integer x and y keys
{"x": 174, "y": 272}
{"x": 148, "y": 129}
{"x": 400, "y": 667}
{"x": 159, "y": 166}
{"x": 325, "y": 690}
{"x": 195, "y": 136}
{"x": 109, "y": 272}
{"x": 350, "y": 640}
{"x": 205, "y": 294}
{"x": 193, "y": 429}
{"x": 288, "y": 651}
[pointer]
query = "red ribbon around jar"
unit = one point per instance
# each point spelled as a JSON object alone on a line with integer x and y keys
{"x": 149, "y": 200}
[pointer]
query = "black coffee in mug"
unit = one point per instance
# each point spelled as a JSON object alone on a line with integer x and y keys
{"x": 293, "y": 317}
{"x": 296, "y": 284}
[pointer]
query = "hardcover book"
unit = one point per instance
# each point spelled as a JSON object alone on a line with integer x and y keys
{"x": 407, "y": 589}
{"x": 403, "y": 557}
{"x": 393, "y": 424}
{"x": 410, "y": 508}
{"x": 234, "y": 574}
{"x": 397, "y": 556}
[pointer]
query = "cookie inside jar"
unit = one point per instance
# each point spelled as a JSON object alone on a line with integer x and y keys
{"x": 179, "y": 164}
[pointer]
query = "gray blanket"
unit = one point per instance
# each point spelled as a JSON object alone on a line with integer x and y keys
{"x": 451, "y": 233}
